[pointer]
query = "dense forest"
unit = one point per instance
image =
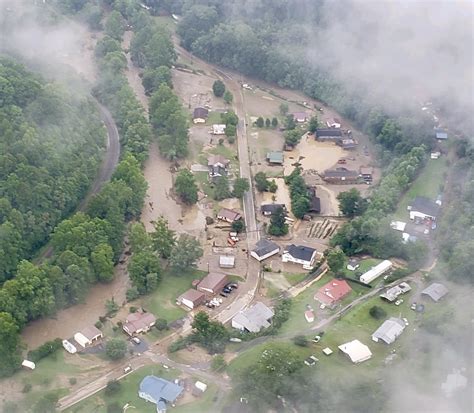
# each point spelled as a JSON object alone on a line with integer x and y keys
{"x": 51, "y": 145}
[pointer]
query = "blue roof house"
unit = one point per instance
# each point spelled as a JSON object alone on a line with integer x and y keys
{"x": 159, "y": 391}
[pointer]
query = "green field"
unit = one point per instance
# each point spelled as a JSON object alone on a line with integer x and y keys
{"x": 295, "y": 278}
{"x": 213, "y": 118}
{"x": 162, "y": 303}
{"x": 428, "y": 184}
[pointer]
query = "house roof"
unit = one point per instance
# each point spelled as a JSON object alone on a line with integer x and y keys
{"x": 138, "y": 321}
{"x": 275, "y": 156}
{"x": 340, "y": 172}
{"x": 425, "y": 206}
{"x": 353, "y": 261}
{"x": 91, "y": 332}
{"x": 389, "y": 330}
{"x": 160, "y": 389}
{"x": 436, "y": 291}
{"x": 229, "y": 214}
{"x": 314, "y": 201}
{"x": 212, "y": 280}
{"x": 366, "y": 170}
{"x": 217, "y": 159}
{"x": 226, "y": 260}
{"x": 272, "y": 208}
{"x": 300, "y": 115}
{"x": 200, "y": 113}
{"x": 392, "y": 293}
{"x": 333, "y": 291}
{"x": 264, "y": 247}
{"x": 300, "y": 252}
{"x": 255, "y": 318}
{"x": 356, "y": 351}
{"x": 192, "y": 295}
{"x": 328, "y": 132}
{"x": 441, "y": 134}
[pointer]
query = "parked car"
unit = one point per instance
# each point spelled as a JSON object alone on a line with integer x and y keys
{"x": 316, "y": 339}
{"x": 398, "y": 302}
{"x": 136, "y": 340}
{"x": 405, "y": 320}
{"x": 223, "y": 294}
{"x": 227, "y": 290}
{"x": 413, "y": 306}
{"x": 232, "y": 286}
{"x": 127, "y": 369}
{"x": 311, "y": 361}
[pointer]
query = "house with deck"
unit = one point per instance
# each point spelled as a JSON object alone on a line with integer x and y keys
{"x": 160, "y": 392}
{"x": 218, "y": 166}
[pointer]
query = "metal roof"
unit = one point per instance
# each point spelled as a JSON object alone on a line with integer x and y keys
{"x": 255, "y": 318}
{"x": 300, "y": 252}
{"x": 436, "y": 291}
{"x": 264, "y": 246}
{"x": 160, "y": 389}
{"x": 389, "y": 330}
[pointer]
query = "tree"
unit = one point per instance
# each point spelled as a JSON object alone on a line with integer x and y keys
{"x": 116, "y": 348}
{"x": 272, "y": 186}
{"x": 351, "y": 203}
{"x": 111, "y": 307}
{"x": 115, "y": 25}
{"x": 336, "y": 259}
{"x": 228, "y": 97}
{"x": 102, "y": 262}
{"x": 132, "y": 294}
{"x": 211, "y": 335}
{"x": 161, "y": 324}
{"x": 300, "y": 206}
{"x": 218, "y": 88}
{"x": 377, "y": 312}
{"x": 222, "y": 190}
{"x": 238, "y": 226}
{"x": 186, "y": 188}
{"x": 230, "y": 118}
{"x": 185, "y": 253}
{"x": 163, "y": 237}
{"x": 284, "y": 109}
{"x": 139, "y": 239}
{"x": 290, "y": 123}
{"x": 230, "y": 130}
{"x": 261, "y": 182}
{"x": 268, "y": 122}
{"x": 153, "y": 78}
{"x": 260, "y": 122}
{"x": 301, "y": 341}
{"x": 218, "y": 363}
{"x": 241, "y": 185}
{"x": 114, "y": 407}
{"x": 313, "y": 124}
{"x": 113, "y": 387}
{"x": 10, "y": 345}
{"x": 47, "y": 404}
{"x": 278, "y": 225}
{"x": 274, "y": 122}
{"x": 144, "y": 270}
{"x": 292, "y": 137}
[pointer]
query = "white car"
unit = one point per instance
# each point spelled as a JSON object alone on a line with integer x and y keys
{"x": 398, "y": 302}
{"x": 69, "y": 347}
{"x": 406, "y": 321}
{"x": 136, "y": 340}
{"x": 316, "y": 339}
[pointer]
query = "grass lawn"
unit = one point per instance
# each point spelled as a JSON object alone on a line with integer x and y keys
{"x": 296, "y": 278}
{"x": 214, "y": 118}
{"x": 426, "y": 184}
{"x": 162, "y": 303}
{"x": 365, "y": 265}
{"x": 201, "y": 405}
{"x": 202, "y": 179}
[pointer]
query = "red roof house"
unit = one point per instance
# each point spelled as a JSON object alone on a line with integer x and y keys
{"x": 333, "y": 291}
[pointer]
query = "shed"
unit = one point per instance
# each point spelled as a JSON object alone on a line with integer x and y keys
{"x": 264, "y": 249}
{"x": 389, "y": 330}
{"x": 218, "y": 129}
{"x": 327, "y": 351}
{"x": 28, "y": 364}
{"x": 376, "y": 272}
{"x": 275, "y": 157}
{"x": 192, "y": 298}
{"x": 353, "y": 264}
{"x": 356, "y": 351}
{"x": 309, "y": 316}
{"x": 435, "y": 291}
{"x": 213, "y": 282}
{"x": 227, "y": 261}
{"x": 228, "y": 215}
{"x": 88, "y": 336}
{"x": 398, "y": 225}
{"x": 201, "y": 386}
{"x": 300, "y": 117}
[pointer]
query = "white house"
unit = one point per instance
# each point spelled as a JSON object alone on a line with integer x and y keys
{"x": 376, "y": 272}
{"x": 254, "y": 318}
{"x": 264, "y": 249}
{"x": 389, "y": 330}
{"x": 218, "y": 129}
{"x": 356, "y": 351}
{"x": 299, "y": 254}
{"x": 333, "y": 123}
{"x": 423, "y": 208}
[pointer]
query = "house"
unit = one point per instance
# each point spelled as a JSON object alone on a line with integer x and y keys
{"x": 356, "y": 351}
{"x": 200, "y": 115}
{"x": 366, "y": 172}
{"x": 300, "y": 117}
{"x": 299, "y": 254}
{"x": 228, "y": 215}
{"x": 159, "y": 391}
{"x": 253, "y": 319}
{"x": 264, "y": 249}
{"x": 314, "y": 201}
{"x": 353, "y": 264}
{"x": 331, "y": 134}
{"x": 213, "y": 283}
{"x": 423, "y": 208}
{"x": 227, "y": 261}
{"x": 334, "y": 123}
{"x": 340, "y": 175}
{"x": 88, "y": 336}
{"x": 275, "y": 158}
{"x": 218, "y": 129}
{"x": 376, "y": 272}
{"x": 270, "y": 209}
{"x": 392, "y": 293}
{"x": 192, "y": 298}
{"x": 217, "y": 165}
{"x": 332, "y": 292}
{"x": 441, "y": 134}
{"x": 389, "y": 330}
{"x": 435, "y": 291}
{"x": 139, "y": 322}
{"x": 398, "y": 225}
{"x": 347, "y": 143}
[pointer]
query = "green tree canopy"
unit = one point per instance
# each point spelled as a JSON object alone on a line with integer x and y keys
{"x": 218, "y": 88}
{"x": 185, "y": 253}
{"x": 185, "y": 186}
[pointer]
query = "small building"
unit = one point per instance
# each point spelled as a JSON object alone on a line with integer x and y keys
{"x": 353, "y": 264}
{"x": 300, "y": 117}
{"x": 228, "y": 215}
{"x": 300, "y": 254}
{"x": 217, "y": 165}
{"x": 28, "y": 364}
{"x": 331, "y": 134}
{"x": 159, "y": 391}
{"x": 314, "y": 201}
{"x": 356, "y": 351}
{"x": 334, "y": 123}
{"x": 199, "y": 388}
{"x": 435, "y": 291}
{"x": 264, "y": 249}
{"x": 389, "y": 330}
{"x": 139, "y": 322}
{"x": 366, "y": 172}
{"x": 327, "y": 351}
{"x": 441, "y": 134}
{"x": 212, "y": 283}
{"x": 398, "y": 225}
{"x": 435, "y": 155}
{"x": 218, "y": 129}
{"x": 392, "y": 293}
{"x": 347, "y": 143}
{"x": 253, "y": 319}
{"x": 270, "y": 209}
{"x": 332, "y": 292}
{"x": 200, "y": 115}
{"x": 340, "y": 175}
{"x": 88, "y": 336}
{"x": 192, "y": 298}
{"x": 423, "y": 208}
{"x": 227, "y": 261}
{"x": 376, "y": 272}
{"x": 275, "y": 157}
{"x": 309, "y": 316}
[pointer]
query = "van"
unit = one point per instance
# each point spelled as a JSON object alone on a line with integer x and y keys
{"x": 127, "y": 369}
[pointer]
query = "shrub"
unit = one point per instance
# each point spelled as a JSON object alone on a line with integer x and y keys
{"x": 218, "y": 363}
{"x": 116, "y": 348}
{"x": 132, "y": 294}
{"x": 98, "y": 324}
{"x": 44, "y": 350}
{"x": 231, "y": 139}
{"x": 301, "y": 341}
{"x": 161, "y": 324}
{"x": 72, "y": 381}
{"x": 377, "y": 312}
{"x": 133, "y": 309}
{"x": 27, "y": 388}
{"x": 113, "y": 387}
{"x": 114, "y": 408}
